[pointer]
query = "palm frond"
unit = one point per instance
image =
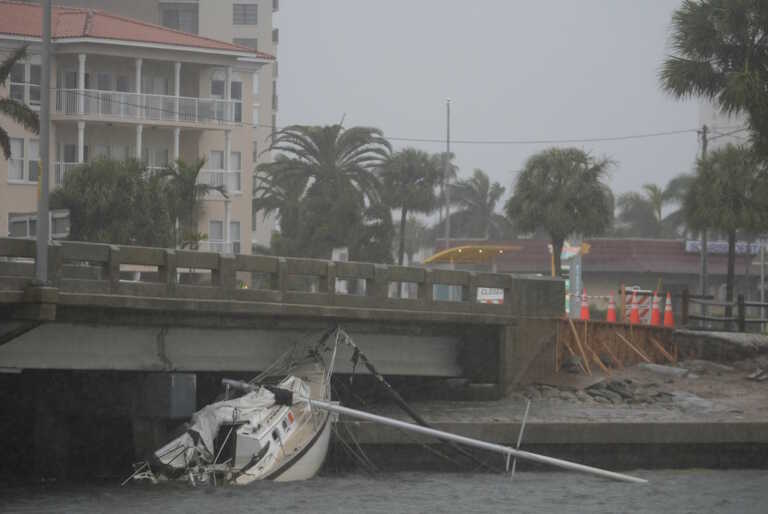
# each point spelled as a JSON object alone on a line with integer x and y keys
{"x": 8, "y": 62}
{"x": 21, "y": 113}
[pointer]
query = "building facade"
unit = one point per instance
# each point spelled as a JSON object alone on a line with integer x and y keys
{"x": 249, "y": 23}
{"x": 123, "y": 88}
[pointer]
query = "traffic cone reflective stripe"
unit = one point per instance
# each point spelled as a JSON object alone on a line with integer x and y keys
{"x": 634, "y": 315}
{"x": 611, "y": 315}
{"x": 584, "y": 305}
{"x": 655, "y": 311}
{"x": 669, "y": 317}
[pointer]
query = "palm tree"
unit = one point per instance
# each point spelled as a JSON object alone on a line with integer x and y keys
{"x": 641, "y": 214}
{"x": 278, "y": 192}
{"x": 476, "y": 198}
{"x": 721, "y": 53}
{"x": 185, "y": 194}
{"x": 17, "y": 111}
{"x": 409, "y": 178}
{"x": 561, "y": 191}
{"x": 449, "y": 171}
{"x": 334, "y": 160}
{"x": 728, "y": 194}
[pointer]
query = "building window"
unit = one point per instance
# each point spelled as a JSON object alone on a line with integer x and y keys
{"x": 250, "y": 42}
{"x": 274, "y": 69}
{"x": 218, "y": 84}
{"x": 25, "y": 224}
{"x": 255, "y": 153}
{"x": 255, "y": 115}
{"x": 34, "y": 84}
{"x": 33, "y": 160}
{"x": 255, "y": 85}
{"x": 216, "y": 159}
{"x": 236, "y": 93}
{"x": 275, "y": 36}
{"x": 234, "y": 235}
{"x": 245, "y": 14}
{"x": 180, "y": 16}
{"x": 18, "y": 81}
{"x": 16, "y": 162}
{"x": 215, "y": 230}
{"x": 275, "y": 5}
{"x": 235, "y": 165}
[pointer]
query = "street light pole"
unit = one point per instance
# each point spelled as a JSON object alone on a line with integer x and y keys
{"x": 446, "y": 175}
{"x": 43, "y": 220}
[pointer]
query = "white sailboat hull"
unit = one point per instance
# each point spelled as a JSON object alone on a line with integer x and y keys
{"x": 308, "y": 465}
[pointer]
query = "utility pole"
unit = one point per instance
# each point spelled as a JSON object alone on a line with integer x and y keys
{"x": 43, "y": 220}
{"x": 446, "y": 176}
{"x": 704, "y": 243}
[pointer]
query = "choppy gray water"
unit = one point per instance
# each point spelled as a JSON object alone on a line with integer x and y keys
{"x": 694, "y": 491}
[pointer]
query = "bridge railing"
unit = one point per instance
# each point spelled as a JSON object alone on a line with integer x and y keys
{"x": 90, "y": 268}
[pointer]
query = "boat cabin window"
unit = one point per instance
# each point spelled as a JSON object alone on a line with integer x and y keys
{"x": 275, "y": 435}
{"x": 285, "y": 425}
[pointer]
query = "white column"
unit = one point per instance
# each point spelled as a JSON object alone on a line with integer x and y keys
{"x": 139, "y": 133}
{"x": 139, "y": 103}
{"x": 177, "y": 85}
{"x": 176, "y": 137}
{"x": 80, "y": 141}
{"x": 227, "y": 219}
{"x": 81, "y": 83}
{"x": 227, "y": 157}
{"x": 230, "y": 109}
{"x": 139, "y": 62}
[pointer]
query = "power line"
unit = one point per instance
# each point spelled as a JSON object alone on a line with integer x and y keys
{"x": 161, "y": 110}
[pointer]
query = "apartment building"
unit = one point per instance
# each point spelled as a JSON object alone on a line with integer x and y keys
{"x": 249, "y": 23}
{"x": 124, "y": 88}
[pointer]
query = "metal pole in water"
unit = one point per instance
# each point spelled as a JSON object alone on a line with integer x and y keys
{"x": 474, "y": 442}
{"x": 43, "y": 221}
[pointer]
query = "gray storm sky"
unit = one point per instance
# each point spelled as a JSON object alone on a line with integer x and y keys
{"x": 514, "y": 70}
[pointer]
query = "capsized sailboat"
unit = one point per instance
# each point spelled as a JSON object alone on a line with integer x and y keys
{"x": 270, "y": 431}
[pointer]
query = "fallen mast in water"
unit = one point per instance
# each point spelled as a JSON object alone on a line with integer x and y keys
{"x": 282, "y": 431}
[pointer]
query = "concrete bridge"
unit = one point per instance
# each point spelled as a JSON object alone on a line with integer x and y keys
{"x": 131, "y": 308}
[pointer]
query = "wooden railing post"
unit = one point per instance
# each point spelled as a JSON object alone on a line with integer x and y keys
{"x": 168, "y": 272}
{"x": 741, "y": 313}
{"x": 328, "y": 282}
{"x": 379, "y": 286}
{"x": 227, "y": 280}
{"x": 113, "y": 268}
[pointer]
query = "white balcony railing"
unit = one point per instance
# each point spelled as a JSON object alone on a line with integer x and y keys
{"x": 229, "y": 180}
{"x": 134, "y": 106}
{"x": 219, "y": 246}
{"x": 61, "y": 169}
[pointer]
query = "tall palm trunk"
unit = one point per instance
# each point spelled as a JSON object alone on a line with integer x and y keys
{"x": 557, "y": 250}
{"x": 401, "y": 252}
{"x": 731, "y": 270}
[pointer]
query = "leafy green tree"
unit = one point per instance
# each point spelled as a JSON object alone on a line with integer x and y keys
{"x": 185, "y": 195}
{"x": 720, "y": 52}
{"x": 476, "y": 198}
{"x": 561, "y": 191}
{"x": 16, "y": 111}
{"x": 728, "y": 194}
{"x": 115, "y": 202}
{"x": 409, "y": 178}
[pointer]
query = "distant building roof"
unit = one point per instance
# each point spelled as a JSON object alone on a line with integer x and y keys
{"x": 605, "y": 255}
{"x": 26, "y": 19}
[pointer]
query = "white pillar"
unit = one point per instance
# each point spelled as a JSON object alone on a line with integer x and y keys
{"x": 176, "y": 137}
{"x": 177, "y": 85}
{"x": 139, "y": 62}
{"x": 80, "y": 142}
{"x": 139, "y": 133}
{"x": 227, "y": 157}
{"x": 228, "y": 95}
{"x": 81, "y": 83}
{"x": 227, "y": 219}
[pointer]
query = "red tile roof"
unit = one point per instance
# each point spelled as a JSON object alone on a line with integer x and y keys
{"x": 25, "y": 20}
{"x": 609, "y": 256}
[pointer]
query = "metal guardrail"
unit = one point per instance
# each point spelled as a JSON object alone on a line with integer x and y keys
{"x": 729, "y": 320}
{"x": 90, "y": 268}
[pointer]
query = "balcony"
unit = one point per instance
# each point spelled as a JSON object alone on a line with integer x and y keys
{"x": 228, "y": 180}
{"x": 140, "y": 107}
{"x": 61, "y": 169}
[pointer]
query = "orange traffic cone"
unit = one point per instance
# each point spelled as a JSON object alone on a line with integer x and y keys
{"x": 584, "y": 304}
{"x": 655, "y": 311}
{"x": 611, "y": 315}
{"x": 634, "y": 315}
{"x": 669, "y": 317}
